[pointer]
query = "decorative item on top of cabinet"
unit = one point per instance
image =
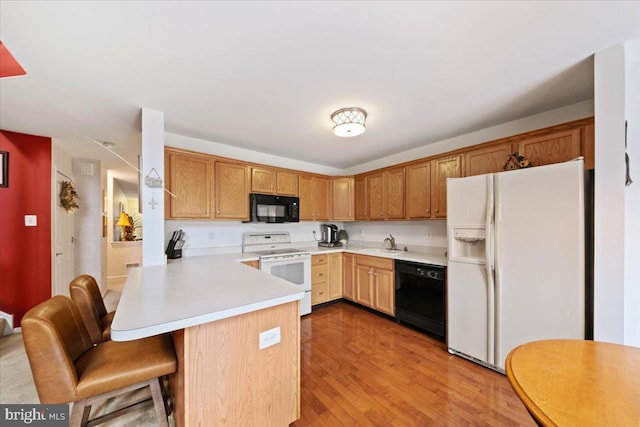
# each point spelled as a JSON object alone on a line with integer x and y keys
{"x": 314, "y": 198}
{"x": 516, "y": 161}
{"x": 419, "y": 191}
{"x": 441, "y": 169}
{"x": 556, "y": 147}
{"x": 272, "y": 181}
{"x": 486, "y": 159}
{"x": 232, "y": 191}
{"x": 342, "y": 199}
{"x": 190, "y": 178}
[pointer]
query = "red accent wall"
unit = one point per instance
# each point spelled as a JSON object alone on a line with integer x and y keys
{"x": 25, "y": 252}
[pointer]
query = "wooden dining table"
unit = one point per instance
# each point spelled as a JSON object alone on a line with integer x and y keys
{"x": 577, "y": 382}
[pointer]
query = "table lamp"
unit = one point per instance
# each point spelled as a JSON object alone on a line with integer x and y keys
{"x": 123, "y": 222}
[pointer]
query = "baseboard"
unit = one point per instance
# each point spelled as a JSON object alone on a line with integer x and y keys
{"x": 8, "y": 326}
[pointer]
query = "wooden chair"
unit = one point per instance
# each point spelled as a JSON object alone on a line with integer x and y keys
{"x": 85, "y": 293}
{"x": 68, "y": 367}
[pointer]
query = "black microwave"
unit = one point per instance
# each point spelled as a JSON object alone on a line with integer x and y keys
{"x": 272, "y": 208}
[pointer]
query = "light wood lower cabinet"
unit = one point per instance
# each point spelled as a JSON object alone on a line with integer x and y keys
{"x": 348, "y": 276}
{"x": 375, "y": 283}
{"x": 254, "y": 264}
{"x": 326, "y": 277}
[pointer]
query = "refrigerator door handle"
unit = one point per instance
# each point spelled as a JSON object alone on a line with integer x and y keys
{"x": 488, "y": 253}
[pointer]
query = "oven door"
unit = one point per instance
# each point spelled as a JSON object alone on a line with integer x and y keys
{"x": 295, "y": 269}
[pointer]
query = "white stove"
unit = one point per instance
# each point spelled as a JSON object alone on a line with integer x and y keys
{"x": 278, "y": 258}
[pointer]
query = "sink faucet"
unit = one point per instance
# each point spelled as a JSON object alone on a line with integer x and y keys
{"x": 391, "y": 241}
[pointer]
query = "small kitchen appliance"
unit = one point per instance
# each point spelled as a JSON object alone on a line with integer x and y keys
{"x": 279, "y": 258}
{"x": 328, "y": 235}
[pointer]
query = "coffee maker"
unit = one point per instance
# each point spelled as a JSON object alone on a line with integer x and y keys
{"x": 328, "y": 235}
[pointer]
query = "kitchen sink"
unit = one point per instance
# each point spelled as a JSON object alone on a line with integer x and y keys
{"x": 379, "y": 251}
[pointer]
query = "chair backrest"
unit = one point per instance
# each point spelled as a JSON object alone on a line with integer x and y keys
{"x": 55, "y": 337}
{"x": 85, "y": 293}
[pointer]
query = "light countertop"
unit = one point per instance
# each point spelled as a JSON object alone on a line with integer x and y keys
{"x": 194, "y": 291}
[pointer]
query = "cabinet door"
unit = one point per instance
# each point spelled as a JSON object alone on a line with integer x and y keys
{"x": 191, "y": 180}
{"x": 342, "y": 196}
{"x": 307, "y": 198}
{"x": 348, "y": 276}
{"x": 232, "y": 191}
{"x": 384, "y": 291}
{"x": 263, "y": 181}
{"x": 361, "y": 198}
{"x": 323, "y": 198}
{"x": 553, "y": 148}
{"x": 364, "y": 285}
{"x": 287, "y": 183}
{"x": 254, "y": 264}
{"x": 489, "y": 159}
{"x": 394, "y": 193}
{"x": 419, "y": 191}
{"x": 375, "y": 184}
{"x": 441, "y": 169}
{"x": 335, "y": 276}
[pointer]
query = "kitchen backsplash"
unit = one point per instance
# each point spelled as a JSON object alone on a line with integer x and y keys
{"x": 209, "y": 236}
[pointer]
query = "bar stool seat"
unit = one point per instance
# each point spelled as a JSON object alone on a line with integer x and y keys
{"x": 85, "y": 293}
{"x": 68, "y": 367}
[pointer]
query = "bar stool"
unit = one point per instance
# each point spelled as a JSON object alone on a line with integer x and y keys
{"x": 68, "y": 367}
{"x": 85, "y": 293}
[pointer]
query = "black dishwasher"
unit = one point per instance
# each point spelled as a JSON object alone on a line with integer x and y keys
{"x": 420, "y": 296}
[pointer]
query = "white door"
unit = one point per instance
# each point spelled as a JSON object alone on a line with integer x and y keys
{"x": 63, "y": 246}
{"x": 539, "y": 255}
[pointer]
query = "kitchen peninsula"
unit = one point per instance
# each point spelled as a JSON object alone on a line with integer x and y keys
{"x": 216, "y": 308}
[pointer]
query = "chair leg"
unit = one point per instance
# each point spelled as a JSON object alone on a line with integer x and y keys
{"x": 158, "y": 402}
{"x": 79, "y": 413}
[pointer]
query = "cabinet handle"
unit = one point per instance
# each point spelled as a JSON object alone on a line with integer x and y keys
{"x": 349, "y": 213}
{"x": 375, "y": 274}
{"x": 427, "y": 210}
{"x": 217, "y": 211}
{"x": 437, "y": 210}
{"x": 320, "y": 274}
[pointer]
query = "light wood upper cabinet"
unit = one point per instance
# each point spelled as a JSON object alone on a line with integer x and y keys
{"x": 394, "y": 193}
{"x": 361, "y": 198}
{"x": 553, "y": 148}
{"x": 385, "y": 194}
{"x": 441, "y": 169}
{"x": 314, "y": 198}
{"x": 343, "y": 199}
{"x": 272, "y": 181}
{"x": 419, "y": 191}
{"x": 190, "y": 178}
{"x": 232, "y": 191}
{"x": 489, "y": 159}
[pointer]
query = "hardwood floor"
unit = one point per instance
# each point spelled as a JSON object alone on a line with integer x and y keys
{"x": 360, "y": 369}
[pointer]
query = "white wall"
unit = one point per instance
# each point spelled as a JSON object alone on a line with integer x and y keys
{"x": 632, "y": 198}
{"x": 87, "y": 219}
{"x": 609, "y": 199}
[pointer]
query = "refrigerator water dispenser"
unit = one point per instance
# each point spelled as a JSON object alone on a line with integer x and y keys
{"x": 467, "y": 245}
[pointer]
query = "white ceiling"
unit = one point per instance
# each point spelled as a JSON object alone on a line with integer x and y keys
{"x": 267, "y": 75}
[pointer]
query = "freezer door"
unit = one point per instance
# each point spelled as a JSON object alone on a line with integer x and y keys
{"x": 467, "y": 310}
{"x": 467, "y": 201}
{"x": 539, "y": 261}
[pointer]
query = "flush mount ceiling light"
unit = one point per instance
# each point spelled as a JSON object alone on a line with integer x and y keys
{"x": 349, "y": 122}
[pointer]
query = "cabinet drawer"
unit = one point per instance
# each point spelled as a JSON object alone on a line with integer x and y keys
{"x": 319, "y": 293}
{"x": 374, "y": 261}
{"x": 318, "y": 259}
{"x": 319, "y": 273}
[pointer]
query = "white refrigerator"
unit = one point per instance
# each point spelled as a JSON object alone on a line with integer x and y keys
{"x": 516, "y": 260}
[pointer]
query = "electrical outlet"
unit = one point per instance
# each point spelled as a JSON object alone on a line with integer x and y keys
{"x": 212, "y": 236}
{"x": 269, "y": 338}
{"x": 429, "y": 235}
{"x": 362, "y": 234}
{"x": 30, "y": 220}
